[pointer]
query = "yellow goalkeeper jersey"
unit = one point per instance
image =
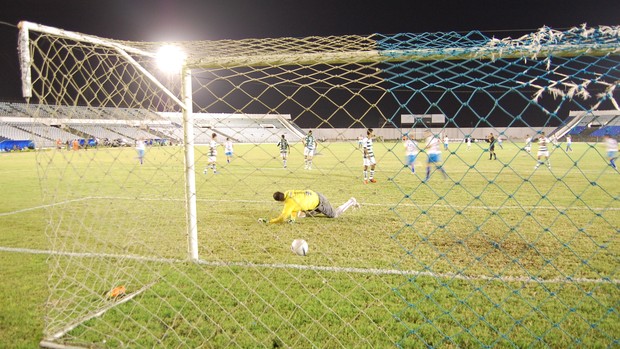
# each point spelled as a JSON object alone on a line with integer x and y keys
{"x": 296, "y": 201}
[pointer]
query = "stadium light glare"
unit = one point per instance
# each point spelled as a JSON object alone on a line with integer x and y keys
{"x": 170, "y": 59}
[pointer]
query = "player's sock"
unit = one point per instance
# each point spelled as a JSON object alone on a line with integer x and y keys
{"x": 412, "y": 169}
{"x": 613, "y": 163}
{"x": 428, "y": 173}
{"x": 340, "y": 210}
{"x": 365, "y": 175}
{"x": 372, "y": 174}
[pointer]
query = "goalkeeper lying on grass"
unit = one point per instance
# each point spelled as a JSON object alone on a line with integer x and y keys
{"x": 299, "y": 203}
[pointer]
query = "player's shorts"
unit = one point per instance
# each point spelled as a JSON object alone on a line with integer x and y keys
{"x": 543, "y": 153}
{"x": 212, "y": 158}
{"x": 370, "y": 161}
{"x": 325, "y": 207}
{"x": 308, "y": 152}
{"x": 228, "y": 153}
{"x": 612, "y": 154}
{"x": 141, "y": 153}
{"x": 411, "y": 159}
{"x": 283, "y": 154}
{"x": 434, "y": 158}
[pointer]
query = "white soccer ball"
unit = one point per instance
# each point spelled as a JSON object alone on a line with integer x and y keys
{"x": 299, "y": 247}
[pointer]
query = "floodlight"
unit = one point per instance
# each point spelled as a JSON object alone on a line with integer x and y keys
{"x": 170, "y": 58}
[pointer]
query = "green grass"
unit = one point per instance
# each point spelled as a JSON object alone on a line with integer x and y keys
{"x": 488, "y": 255}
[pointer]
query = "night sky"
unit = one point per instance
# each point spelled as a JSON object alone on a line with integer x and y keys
{"x": 167, "y": 20}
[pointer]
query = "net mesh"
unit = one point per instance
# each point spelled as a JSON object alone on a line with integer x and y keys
{"x": 494, "y": 253}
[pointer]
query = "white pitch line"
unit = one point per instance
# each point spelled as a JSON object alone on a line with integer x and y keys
{"x": 371, "y": 271}
{"x": 96, "y": 313}
{"x": 425, "y": 206}
{"x": 42, "y": 206}
{"x": 407, "y": 205}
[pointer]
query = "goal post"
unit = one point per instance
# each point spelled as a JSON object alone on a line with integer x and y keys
{"x": 154, "y": 234}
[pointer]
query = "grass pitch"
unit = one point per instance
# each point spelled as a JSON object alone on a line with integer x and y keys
{"x": 496, "y": 254}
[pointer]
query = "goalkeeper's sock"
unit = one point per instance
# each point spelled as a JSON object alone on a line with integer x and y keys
{"x": 340, "y": 210}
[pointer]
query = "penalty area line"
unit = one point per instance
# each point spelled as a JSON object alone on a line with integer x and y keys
{"x": 318, "y": 268}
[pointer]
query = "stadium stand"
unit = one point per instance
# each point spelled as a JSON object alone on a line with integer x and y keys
{"x": 45, "y": 124}
{"x": 586, "y": 126}
{"x": 606, "y": 130}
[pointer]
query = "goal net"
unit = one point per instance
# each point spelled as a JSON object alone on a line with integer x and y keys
{"x": 152, "y": 222}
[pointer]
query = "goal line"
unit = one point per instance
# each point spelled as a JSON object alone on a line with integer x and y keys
{"x": 368, "y": 271}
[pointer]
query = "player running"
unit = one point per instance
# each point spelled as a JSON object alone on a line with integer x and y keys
{"x": 612, "y": 150}
{"x": 528, "y": 144}
{"x": 433, "y": 150}
{"x": 411, "y": 151}
{"x": 543, "y": 151}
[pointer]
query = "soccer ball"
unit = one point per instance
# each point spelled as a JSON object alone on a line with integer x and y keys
{"x": 299, "y": 247}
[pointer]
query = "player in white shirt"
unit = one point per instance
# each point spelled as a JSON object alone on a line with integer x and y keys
{"x": 468, "y": 142}
{"x": 309, "y": 148}
{"x": 433, "y": 150}
{"x": 528, "y": 144}
{"x": 543, "y": 151}
{"x": 212, "y": 154}
{"x": 140, "y": 148}
{"x": 612, "y": 150}
{"x": 284, "y": 150}
{"x": 446, "y": 141}
{"x": 569, "y": 143}
{"x": 228, "y": 149}
{"x": 411, "y": 151}
{"x": 369, "y": 158}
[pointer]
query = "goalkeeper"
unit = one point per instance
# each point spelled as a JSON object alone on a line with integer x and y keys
{"x": 298, "y": 203}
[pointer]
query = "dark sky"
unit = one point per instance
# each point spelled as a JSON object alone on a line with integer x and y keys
{"x": 164, "y": 20}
